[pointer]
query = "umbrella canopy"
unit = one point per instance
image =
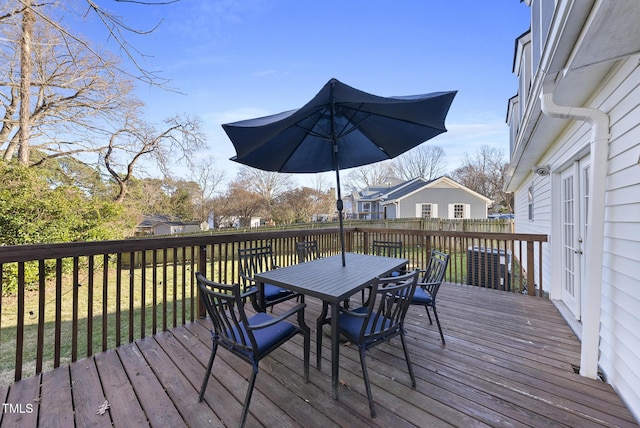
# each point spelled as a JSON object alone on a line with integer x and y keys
{"x": 341, "y": 127}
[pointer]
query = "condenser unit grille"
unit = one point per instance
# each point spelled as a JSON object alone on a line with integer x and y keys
{"x": 489, "y": 267}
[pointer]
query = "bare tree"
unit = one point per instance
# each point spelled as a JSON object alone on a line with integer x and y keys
{"x": 239, "y": 202}
{"x": 73, "y": 98}
{"x": 39, "y": 63}
{"x": 25, "y": 80}
{"x": 118, "y": 29}
{"x": 484, "y": 172}
{"x": 425, "y": 161}
{"x": 268, "y": 184}
{"x": 369, "y": 175}
{"x": 209, "y": 179}
{"x": 178, "y": 140}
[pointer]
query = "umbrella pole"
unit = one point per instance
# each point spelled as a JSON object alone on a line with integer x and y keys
{"x": 339, "y": 206}
{"x": 336, "y": 164}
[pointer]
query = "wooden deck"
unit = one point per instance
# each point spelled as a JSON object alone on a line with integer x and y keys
{"x": 508, "y": 361}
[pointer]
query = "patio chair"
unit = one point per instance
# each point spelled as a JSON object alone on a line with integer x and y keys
{"x": 252, "y": 338}
{"x": 388, "y": 249}
{"x": 429, "y": 284}
{"x": 307, "y": 251}
{"x": 257, "y": 260}
{"x": 380, "y": 320}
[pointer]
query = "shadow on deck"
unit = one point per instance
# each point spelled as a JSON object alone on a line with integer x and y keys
{"x": 509, "y": 361}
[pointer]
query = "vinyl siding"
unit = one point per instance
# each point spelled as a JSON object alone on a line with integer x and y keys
{"x": 619, "y": 96}
{"x": 620, "y": 312}
{"x": 442, "y": 197}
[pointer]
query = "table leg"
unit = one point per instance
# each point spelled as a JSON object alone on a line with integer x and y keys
{"x": 261, "y": 300}
{"x": 319, "y": 323}
{"x": 335, "y": 349}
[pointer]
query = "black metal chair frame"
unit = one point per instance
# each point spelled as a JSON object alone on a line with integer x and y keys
{"x": 381, "y": 319}
{"x": 307, "y": 250}
{"x": 430, "y": 281}
{"x": 387, "y": 248}
{"x": 235, "y": 332}
{"x": 257, "y": 260}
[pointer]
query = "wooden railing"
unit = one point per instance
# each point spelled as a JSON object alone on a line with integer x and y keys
{"x": 76, "y": 299}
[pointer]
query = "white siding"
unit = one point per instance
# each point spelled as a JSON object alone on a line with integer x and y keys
{"x": 619, "y": 96}
{"x": 441, "y": 198}
{"x": 620, "y": 312}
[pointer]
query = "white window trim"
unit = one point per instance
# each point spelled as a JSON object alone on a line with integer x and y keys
{"x": 434, "y": 210}
{"x": 466, "y": 210}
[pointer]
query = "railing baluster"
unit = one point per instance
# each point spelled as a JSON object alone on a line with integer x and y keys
{"x": 174, "y": 283}
{"x": 118, "y": 297}
{"x": 154, "y": 275}
{"x": 192, "y": 279}
{"x": 143, "y": 293}
{"x": 90, "y": 281}
{"x": 105, "y": 307}
{"x": 132, "y": 262}
{"x": 184, "y": 285}
{"x": 20, "y": 321}
{"x": 75, "y": 308}
{"x": 164, "y": 289}
{"x": 41, "y": 315}
{"x": 58, "y": 314}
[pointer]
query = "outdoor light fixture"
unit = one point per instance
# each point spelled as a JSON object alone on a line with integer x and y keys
{"x": 541, "y": 170}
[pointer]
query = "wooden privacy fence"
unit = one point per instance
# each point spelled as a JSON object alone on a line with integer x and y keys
{"x": 75, "y": 299}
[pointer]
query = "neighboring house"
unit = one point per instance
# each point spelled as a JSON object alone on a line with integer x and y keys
{"x": 575, "y": 171}
{"x": 419, "y": 198}
{"x": 154, "y": 225}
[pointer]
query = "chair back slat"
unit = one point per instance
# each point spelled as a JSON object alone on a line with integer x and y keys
{"x": 226, "y": 309}
{"x": 433, "y": 275}
{"x": 387, "y": 248}
{"x": 254, "y": 260}
{"x": 307, "y": 251}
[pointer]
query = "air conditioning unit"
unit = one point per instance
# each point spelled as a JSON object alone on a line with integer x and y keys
{"x": 489, "y": 267}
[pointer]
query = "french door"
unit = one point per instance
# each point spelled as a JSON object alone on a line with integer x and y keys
{"x": 575, "y": 182}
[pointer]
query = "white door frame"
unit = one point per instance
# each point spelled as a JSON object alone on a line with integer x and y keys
{"x": 575, "y": 198}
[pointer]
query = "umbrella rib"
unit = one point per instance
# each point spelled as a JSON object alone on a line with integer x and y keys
{"x": 346, "y": 130}
{"x": 326, "y": 136}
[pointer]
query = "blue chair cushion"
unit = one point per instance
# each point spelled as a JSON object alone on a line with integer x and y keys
{"x": 351, "y": 325}
{"x": 395, "y": 273}
{"x": 266, "y": 337}
{"x": 272, "y": 292}
{"x": 421, "y": 297}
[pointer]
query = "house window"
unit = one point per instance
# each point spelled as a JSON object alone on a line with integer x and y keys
{"x": 366, "y": 207}
{"x": 530, "y": 201}
{"x": 458, "y": 211}
{"x": 426, "y": 211}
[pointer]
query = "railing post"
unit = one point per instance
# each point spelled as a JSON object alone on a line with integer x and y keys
{"x": 531, "y": 286}
{"x": 202, "y": 268}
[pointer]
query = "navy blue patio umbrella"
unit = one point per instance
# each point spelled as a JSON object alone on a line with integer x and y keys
{"x": 341, "y": 127}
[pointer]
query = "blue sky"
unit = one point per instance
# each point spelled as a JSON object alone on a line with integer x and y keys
{"x": 236, "y": 60}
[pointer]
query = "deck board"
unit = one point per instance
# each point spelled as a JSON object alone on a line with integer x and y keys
{"x": 56, "y": 401}
{"x": 508, "y": 362}
{"x": 125, "y": 411}
{"x": 87, "y": 394}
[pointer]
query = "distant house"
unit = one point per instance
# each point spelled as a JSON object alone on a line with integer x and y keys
{"x": 419, "y": 198}
{"x": 154, "y": 225}
{"x": 575, "y": 173}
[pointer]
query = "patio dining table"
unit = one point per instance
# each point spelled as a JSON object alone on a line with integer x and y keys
{"x": 328, "y": 280}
